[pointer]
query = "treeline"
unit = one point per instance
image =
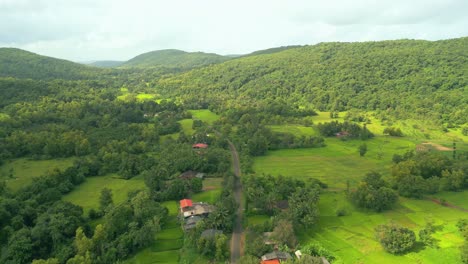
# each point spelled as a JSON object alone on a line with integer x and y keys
{"x": 403, "y": 78}
{"x": 344, "y": 130}
{"x": 418, "y": 174}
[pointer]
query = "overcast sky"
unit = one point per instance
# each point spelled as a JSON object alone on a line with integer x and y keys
{"x": 86, "y": 30}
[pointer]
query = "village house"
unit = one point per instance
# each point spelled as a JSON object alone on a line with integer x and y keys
{"x": 191, "y": 212}
{"x": 200, "y": 146}
{"x": 342, "y": 134}
{"x": 275, "y": 257}
{"x": 191, "y": 174}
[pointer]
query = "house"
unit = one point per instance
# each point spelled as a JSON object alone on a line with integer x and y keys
{"x": 192, "y": 174}
{"x": 277, "y": 256}
{"x": 191, "y": 222}
{"x": 210, "y": 233}
{"x": 200, "y": 146}
{"x": 267, "y": 238}
{"x": 342, "y": 134}
{"x": 191, "y": 213}
{"x": 198, "y": 209}
{"x": 298, "y": 254}
{"x": 185, "y": 205}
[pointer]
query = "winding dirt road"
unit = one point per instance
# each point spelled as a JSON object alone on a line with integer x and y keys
{"x": 236, "y": 240}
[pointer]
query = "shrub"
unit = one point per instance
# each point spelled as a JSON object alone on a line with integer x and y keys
{"x": 395, "y": 239}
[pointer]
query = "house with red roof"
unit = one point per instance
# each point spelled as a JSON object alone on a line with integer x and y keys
{"x": 200, "y": 146}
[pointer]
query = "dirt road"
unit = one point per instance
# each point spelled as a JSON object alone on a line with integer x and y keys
{"x": 236, "y": 240}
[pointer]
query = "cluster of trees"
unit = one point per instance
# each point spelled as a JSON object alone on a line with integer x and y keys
{"x": 394, "y": 238}
{"x": 393, "y": 131}
{"x": 414, "y": 175}
{"x": 34, "y": 223}
{"x": 397, "y": 239}
{"x": 264, "y": 193}
{"x": 373, "y": 193}
{"x": 352, "y": 130}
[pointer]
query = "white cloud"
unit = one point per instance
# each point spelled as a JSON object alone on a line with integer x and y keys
{"x": 119, "y": 29}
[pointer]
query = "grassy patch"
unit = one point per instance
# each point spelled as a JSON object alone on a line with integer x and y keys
{"x": 187, "y": 126}
{"x": 257, "y": 219}
{"x": 204, "y": 115}
{"x": 87, "y": 194}
{"x": 296, "y": 130}
{"x": 21, "y": 172}
{"x": 210, "y": 197}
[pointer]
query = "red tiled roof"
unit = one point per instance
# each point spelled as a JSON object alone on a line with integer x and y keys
{"x": 185, "y": 203}
{"x": 200, "y": 145}
{"x": 271, "y": 261}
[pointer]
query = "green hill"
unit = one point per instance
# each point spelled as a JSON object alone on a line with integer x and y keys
{"x": 175, "y": 59}
{"x": 407, "y": 78}
{"x": 24, "y": 64}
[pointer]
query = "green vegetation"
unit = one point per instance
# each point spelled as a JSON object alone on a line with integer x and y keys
{"x": 94, "y": 161}
{"x": 351, "y": 237}
{"x": 21, "y": 172}
{"x": 87, "y": 194}
{"x": 334, "y": 164}
{"x": 371, "y": 76}
{"x": 174, "y": 59}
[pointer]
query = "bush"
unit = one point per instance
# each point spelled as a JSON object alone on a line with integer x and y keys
{"x": 395, "y": 239}
{"x": 341, "y": 212}
{"x": 392, "y": 131}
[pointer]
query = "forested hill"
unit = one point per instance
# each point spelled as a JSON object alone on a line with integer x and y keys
{"x": 24, "y": 64}
{"x": 172, "y": 58}
{"x": 407, "y": 78}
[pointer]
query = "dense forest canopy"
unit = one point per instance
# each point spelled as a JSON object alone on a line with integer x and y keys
{"x": 407, "y": 78}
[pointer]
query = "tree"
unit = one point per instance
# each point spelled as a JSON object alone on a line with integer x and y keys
{"x": 48, "y": 261}
{"x": 362, "y": 149}
{"x": 373, "y": 193}
{"x": 303, "y": 205}
{"x": 395, "y": 239}
{"x": 284, "y": 233}
{"x": 20, "y": 247}
{"x": 221, "y": 247}
{"x": 425, "y": 235}
{"x": 105, "y": 199}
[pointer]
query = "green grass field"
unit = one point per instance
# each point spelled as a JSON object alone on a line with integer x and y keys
{"x": 351, "y": 237}
{"x": 87, "y": 194}
{"x": 204, "y": 115}
{"x": 336, "y": 163}
{"x": 296, "y": 130}
{"x": 24, "y": 170}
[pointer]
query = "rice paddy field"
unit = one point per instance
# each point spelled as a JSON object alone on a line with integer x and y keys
{"x": 21, "y": 172}
{"x": 351, "y": 237}
{"x": 336, "y": 163}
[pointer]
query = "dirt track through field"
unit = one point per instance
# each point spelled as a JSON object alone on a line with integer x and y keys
{"x": 237, "y": 233}
{"x": 437, "y": 201}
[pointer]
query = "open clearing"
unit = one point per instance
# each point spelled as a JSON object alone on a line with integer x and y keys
{"x": 87, "y": 194}
{"x": 204, "y": 115}
{"x": 336, "y": 163}
{"x": 21, "y": 172}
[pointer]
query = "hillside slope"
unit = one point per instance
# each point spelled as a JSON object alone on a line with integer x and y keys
{"x": 421, "y": 79}
{"x": 24, "y": 64}
{"x": 175, "y": 59}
